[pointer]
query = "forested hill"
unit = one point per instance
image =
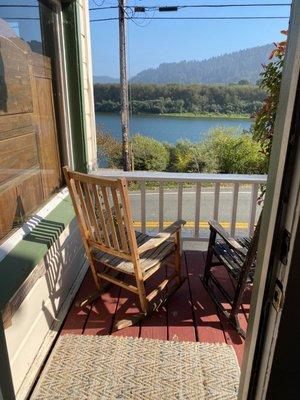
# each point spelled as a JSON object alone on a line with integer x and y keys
{"x": 105, "y": 79}
{"x": 176, "y": 98}
{"x": 227, "y": 68}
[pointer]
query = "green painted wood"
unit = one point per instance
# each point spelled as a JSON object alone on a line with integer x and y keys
{"x": 75, "y": 83}
{"x": 19, "y": 263}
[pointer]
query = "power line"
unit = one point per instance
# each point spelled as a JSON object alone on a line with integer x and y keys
{"x": 18, "y": 6}
{"x": 21, "y": 18}
{"x": 191, "y": 18}
{"x": 200, "y": 6}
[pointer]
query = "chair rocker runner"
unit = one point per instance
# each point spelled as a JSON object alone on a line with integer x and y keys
{"x": 112, "y": 246}
{"x": 238, "y": 256}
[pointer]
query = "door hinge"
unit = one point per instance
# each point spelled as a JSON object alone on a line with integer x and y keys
{"x": 277, "y": 301}
{"x": 285, "y": 246}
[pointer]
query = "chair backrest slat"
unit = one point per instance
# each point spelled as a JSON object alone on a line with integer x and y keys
{"x": 109, "y": 219}
{"x": 103, "y": 210}
{"x": 104, "y": 233}
{"x": 91, "y": 212}
{"x": 83, "y": 207}
{"x": 120, "y": 221}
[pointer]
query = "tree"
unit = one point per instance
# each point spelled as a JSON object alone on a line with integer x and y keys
{"x": 244, "y": 82}
{"x": 263, "y": 128}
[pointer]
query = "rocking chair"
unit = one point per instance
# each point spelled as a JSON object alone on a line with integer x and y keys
{"x": 238, "y": 256}
{"x": 112, "y": 246}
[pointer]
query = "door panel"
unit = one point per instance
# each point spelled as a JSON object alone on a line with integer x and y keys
{"x": 45, "y": 114}
{"x": 29, "y": 163}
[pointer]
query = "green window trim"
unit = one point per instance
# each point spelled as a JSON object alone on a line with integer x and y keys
{"x": 75, "y": 83}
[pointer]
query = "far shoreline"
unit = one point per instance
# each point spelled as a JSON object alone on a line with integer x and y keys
{"x": 187, "y": 115}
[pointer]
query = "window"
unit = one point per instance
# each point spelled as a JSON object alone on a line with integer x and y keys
{"x": 29, "y": 162}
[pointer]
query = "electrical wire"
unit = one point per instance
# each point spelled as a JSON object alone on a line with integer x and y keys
{"x": 17, "y": 6}
{"x": 148, "y": 8}
{"x": 191, "y": 18}
{"x": 99, "y": 5}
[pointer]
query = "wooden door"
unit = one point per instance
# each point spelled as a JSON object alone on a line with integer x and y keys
{"x": 46, "y": 124}
{"x": 29, "y": 159}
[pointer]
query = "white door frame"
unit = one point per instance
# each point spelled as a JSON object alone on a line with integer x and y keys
{"x": 271, "y": 204}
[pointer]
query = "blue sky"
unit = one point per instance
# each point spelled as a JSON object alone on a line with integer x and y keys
{"x": 156, "y": 41}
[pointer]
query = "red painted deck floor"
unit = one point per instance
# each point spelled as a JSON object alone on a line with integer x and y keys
{"x": 189, "y": 315}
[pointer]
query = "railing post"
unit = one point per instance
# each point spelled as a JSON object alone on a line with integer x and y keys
{"x": 161, "y": 206}
{"x": 179, "y": 203}
{"x": 216, "y": 201}
{"x": 254, "y": 195}
{"x": 234, "y": 208}
{"x": 143, "y": 206}
{"x": 197, "y": 209}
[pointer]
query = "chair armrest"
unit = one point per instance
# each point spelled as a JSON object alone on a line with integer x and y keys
{"x": 161, "y": 237}
{"x": 216, "y": 227}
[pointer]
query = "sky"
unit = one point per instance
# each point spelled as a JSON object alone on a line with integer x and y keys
{"x": 153, "y": 42}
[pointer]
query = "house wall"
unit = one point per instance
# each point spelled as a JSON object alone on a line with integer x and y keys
{"x": 37, "y": 308}
{"x": 43, "y": 264}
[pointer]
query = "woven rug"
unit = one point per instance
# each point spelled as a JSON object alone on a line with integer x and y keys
{"x": 109, "y": 368}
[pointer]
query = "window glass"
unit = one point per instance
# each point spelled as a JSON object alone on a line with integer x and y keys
{"x": 29, "y": 163}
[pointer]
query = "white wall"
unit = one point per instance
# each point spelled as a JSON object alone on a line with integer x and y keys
{"x": 36, "y": 322}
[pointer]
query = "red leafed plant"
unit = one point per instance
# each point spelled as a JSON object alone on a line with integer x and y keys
{"x": 263, "y": 127}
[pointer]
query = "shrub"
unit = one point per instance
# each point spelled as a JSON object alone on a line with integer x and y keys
{"x": 234, "y": 154}
{"x": 224, "y": 151}
{"x": 186, "y": 156}
{"x": 109, "y": 150}
{"x": 149, "y": 154}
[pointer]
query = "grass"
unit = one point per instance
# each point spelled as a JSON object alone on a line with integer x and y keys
{"x": 190, "y": 115}
{"x": 151, "y": 185}
{"x": 206, "y": 115}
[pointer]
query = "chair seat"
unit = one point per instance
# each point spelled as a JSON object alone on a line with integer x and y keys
{"x": 148, "y": 259}
{"x": 232, "y": 259}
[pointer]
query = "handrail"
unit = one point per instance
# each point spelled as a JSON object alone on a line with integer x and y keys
{"x": 182, "y": 177}
{"x": 199, "y": 181}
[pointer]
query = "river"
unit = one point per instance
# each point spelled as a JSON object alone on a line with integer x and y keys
{"x": 169, "y": 129}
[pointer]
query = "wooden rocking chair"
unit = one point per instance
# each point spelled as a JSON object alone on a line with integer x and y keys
{"x": 112, "y": 246}
{"x": 238, "y": 256}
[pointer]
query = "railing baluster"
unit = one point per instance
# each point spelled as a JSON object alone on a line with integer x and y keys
{"x": 143, "y": 206}
{"x": 161, "y": 206}
{"x": 179, "y": 209}
{"x": 254, "y": 195}
{"x": 197, "y": 209}
{"x": 234, "y": 207}
{"x": 216, "y": 200}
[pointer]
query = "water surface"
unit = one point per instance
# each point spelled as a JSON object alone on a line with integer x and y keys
{"x": 169, "y": 129}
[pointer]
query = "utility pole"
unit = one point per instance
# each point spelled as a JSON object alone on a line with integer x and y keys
{"x": 124, "y": 89}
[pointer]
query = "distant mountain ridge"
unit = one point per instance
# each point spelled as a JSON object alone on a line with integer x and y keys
{"x": 105, "y": 79}
{"x": 227, "y": 68}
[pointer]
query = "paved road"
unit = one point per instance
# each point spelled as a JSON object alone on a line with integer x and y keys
{"x": 188, "y": 208}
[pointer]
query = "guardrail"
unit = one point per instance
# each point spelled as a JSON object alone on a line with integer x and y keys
{"x": 198, "y": 180}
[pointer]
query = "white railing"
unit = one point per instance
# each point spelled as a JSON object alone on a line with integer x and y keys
{"x": 183, "y": 182}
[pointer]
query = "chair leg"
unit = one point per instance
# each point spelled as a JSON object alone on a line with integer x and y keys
{"x": 177, "y": 256}
{"x": 96, "y": 294}
{"x": 144, "y": 306}
{"x": 142, "y": 296}
{"x": 209, "y": 257}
